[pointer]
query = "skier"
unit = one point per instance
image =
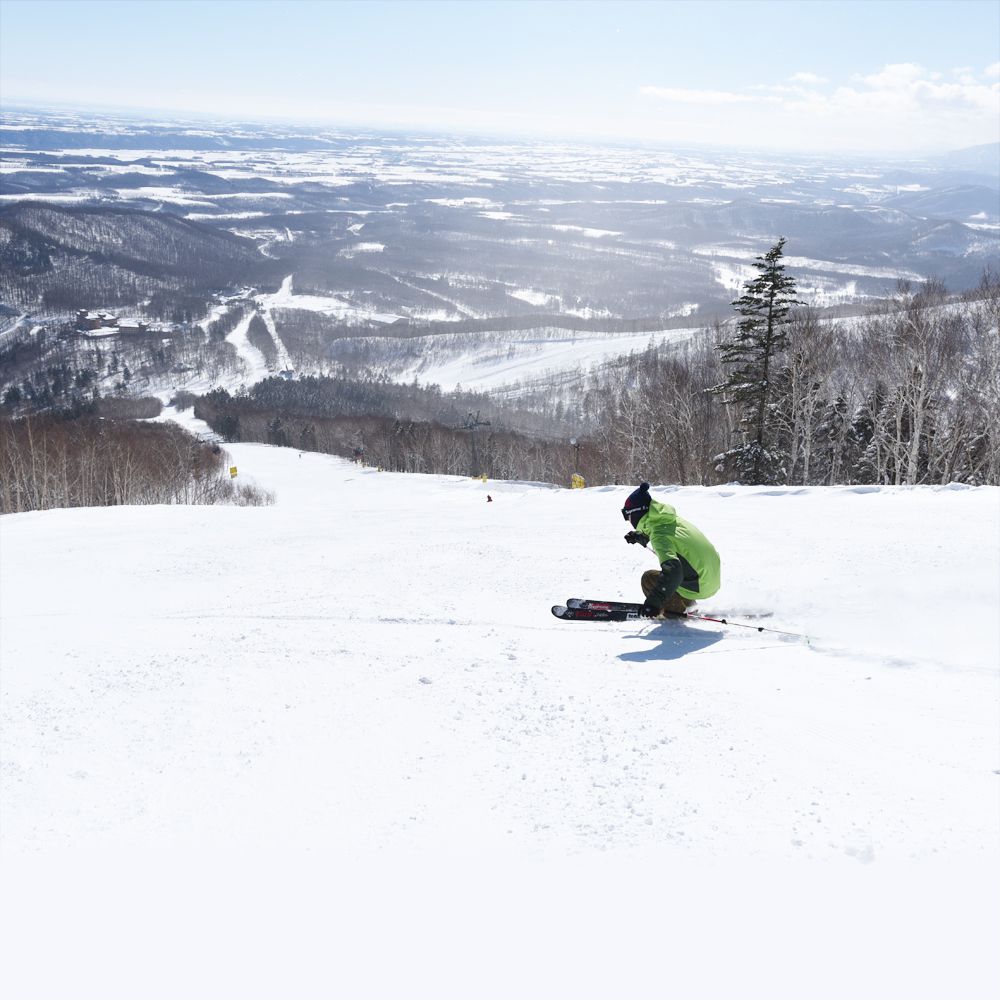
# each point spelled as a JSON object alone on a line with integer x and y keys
{"x": 689, "y": 564}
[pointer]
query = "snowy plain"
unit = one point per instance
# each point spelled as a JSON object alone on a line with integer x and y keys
{"x": 339, "y": 747}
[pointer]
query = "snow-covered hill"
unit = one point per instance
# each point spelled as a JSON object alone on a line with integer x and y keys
{"x": 339, "y": 746}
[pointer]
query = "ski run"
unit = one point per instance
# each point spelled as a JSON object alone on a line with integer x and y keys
{"x": 339, "y": 747}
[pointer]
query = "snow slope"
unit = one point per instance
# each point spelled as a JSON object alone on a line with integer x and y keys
{"x": 539, "y": 356}
{"x": 254, "y": 363}
{"x": 339, "y": 746}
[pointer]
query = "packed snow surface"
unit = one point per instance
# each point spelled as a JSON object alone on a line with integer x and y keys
{"x": 339, "y": 746}
{"x": 536, "y": 357}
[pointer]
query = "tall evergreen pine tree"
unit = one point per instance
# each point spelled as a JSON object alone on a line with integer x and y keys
{"x": 760, "y": 338}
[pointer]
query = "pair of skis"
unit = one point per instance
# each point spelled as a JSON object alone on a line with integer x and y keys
{"x": 579, "y": 609}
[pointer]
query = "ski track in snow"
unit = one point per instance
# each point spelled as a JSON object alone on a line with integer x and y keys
{"x": 254, "y": 364}
{"x": 354, "y": 710}
{"x": 283, "y": 359}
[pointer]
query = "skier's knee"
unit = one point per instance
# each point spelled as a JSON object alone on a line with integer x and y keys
{"x": 649, "y": 581}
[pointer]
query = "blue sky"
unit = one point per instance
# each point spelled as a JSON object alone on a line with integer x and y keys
{"x": 903, "y": 75}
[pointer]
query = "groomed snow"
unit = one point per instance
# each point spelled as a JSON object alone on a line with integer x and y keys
{"x": 339, "y": 746}
{"x": 530, "y": 357}
{"x": 286, "y": 298}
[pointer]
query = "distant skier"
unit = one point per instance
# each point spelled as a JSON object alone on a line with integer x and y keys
{"x": 689, "y": 564}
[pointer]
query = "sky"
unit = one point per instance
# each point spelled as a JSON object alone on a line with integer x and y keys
{"x": 879, "y": 75}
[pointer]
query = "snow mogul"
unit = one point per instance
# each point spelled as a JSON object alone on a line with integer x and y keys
{"x": 689, "y": 565}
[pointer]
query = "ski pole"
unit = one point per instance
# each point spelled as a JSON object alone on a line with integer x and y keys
{"x": 723, "y": 621}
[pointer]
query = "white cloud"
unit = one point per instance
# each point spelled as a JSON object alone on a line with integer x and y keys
{"x": 896, "y": 87}
{"x": 908, "y": 87}
{"x": 772, "y": 92}
{"x": 893, "y": 76}
{"x": 810, "y": 79}
{"x": 902, "y": 106}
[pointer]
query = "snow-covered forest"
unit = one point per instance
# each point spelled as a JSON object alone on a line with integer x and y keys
{"x": 906, "y": 392}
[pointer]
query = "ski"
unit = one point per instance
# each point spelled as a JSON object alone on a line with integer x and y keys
{"x": 596, "y": 614}
{"x": 578, "y": 603}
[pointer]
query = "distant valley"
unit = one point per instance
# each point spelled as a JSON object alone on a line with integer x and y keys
{"x": 537, "y": 285}
{"x": 434, "y": 229}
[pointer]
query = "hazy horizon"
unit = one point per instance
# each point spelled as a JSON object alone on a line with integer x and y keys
{"x": 186, "y": 117}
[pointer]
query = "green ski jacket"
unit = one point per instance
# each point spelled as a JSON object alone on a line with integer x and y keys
{"x": 674, "y": 539}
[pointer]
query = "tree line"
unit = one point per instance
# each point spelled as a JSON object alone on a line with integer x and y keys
{"x": 51, "y": 461}
{"x": 402, "y": 428}
{"x": 907, "y": 394}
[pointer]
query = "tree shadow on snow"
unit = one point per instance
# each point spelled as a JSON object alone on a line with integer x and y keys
{"x": 674, "y": 640}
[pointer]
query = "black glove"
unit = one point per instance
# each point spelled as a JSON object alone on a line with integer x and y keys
{"x": 636, "y": 536}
